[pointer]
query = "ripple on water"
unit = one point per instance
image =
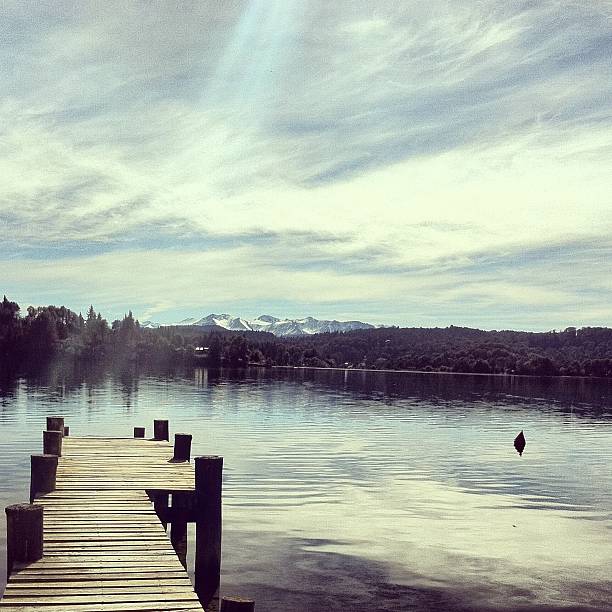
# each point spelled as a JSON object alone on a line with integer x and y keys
{"x": 383, "y": 492}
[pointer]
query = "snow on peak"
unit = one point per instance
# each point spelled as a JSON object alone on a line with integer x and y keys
{"x": 267, "y": 319}
{"x": 149, "y": 324}
{"x": 187, "y": 321}
{"x": 274, "y": 325}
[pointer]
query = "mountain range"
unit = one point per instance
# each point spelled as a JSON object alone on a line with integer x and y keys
{"x": 268, "y": 323}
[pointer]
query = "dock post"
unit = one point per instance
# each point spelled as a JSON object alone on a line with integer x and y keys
{"x": 55, "y": 424}
{"x": 43, "y": 474}
{"x": 208, "y": 485}
{"x": 139, "y": 432}
{"x": 178, "y": 530}
{"x": 66, "y": 431}
{"x": 52, "y": 443}
{"x": 237, "y": 604}
{"x": 160, "y": 430}
{"x": 182, "y": 447}
{"x": 24, "y": 535}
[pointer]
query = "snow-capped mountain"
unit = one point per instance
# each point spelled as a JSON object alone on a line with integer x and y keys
{"x": 149, "y": 324}
{"x": 276, "y": 326}
{"x": 226, "y": 321}
{"x": 188, "y": 321}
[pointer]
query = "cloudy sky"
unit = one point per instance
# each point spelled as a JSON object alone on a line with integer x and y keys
{"x": 413, "y": 163}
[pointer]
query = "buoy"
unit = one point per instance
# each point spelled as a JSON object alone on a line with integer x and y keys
{"x": 519, "y": 443}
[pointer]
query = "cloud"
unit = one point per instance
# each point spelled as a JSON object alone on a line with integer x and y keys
{"x": 345, "y": 152}
{"x": 535, "y": 289}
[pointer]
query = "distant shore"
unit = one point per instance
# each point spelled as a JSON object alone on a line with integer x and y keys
{"x": 483, "y": 374}
{"x": 49, "y": 332}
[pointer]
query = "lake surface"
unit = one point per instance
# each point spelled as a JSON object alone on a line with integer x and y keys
{"x": 349, "y": 490}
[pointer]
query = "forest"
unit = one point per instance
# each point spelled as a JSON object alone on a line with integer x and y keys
{"x": 42, "y": 333}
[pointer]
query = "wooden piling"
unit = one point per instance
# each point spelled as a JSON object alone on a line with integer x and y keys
{"x": 55, "y": 424}
{"x": 43, "y": 474}
{"x": 178, "y": 530}
{"x": 52, "y": 443}
{"x": 66, "y": 431}
{"x": 24, "y": 535}
{"x": 139, "y": 432}
{"x": 237, "y": 604}
{"x": 208, "y": 486}
{"x": 160, "y": 430}
{"x": 182, "y": 447}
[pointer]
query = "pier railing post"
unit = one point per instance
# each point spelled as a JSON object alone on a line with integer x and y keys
{"x": 182, "y": 447}
{"x": 139, "y": 432}
{"x": 160, "y": 430}
{"x": 55, "y": 424}
{"x": 43, "y": 474}
{"x": 237, "y": 604}
{"x": 208, "y": 485}
{"x": 24, "y": 534}
{"x": 52, "y": 443}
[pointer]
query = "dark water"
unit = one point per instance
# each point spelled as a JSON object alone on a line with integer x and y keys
{"x": 370, "y": 491}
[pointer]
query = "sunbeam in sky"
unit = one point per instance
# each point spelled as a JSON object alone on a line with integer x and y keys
{"x": 260, "y": 48}
{"x": 400, "y": 163}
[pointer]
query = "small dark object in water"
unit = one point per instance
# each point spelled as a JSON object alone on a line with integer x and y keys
{"x": 519, "y": 443}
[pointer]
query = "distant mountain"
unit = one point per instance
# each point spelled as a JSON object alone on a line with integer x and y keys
{"x": 149, "y": 324}
{"x": 274, "y": 325}
{"x": 226, "y": 321}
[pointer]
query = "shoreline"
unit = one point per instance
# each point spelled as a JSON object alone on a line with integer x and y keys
{"x": 485, "y": 374}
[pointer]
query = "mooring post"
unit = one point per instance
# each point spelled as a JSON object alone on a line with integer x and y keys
{"x": 178, "y": 530}
{"x": 182, "y": 447}
{"x": 24, "y": 535}
{"x": 52, "y": 443}
{"x": 208, "y": 485}
{"x": 43, "y": 474}
{"x": 237, "y": 604}
{"x": 160, "y": 430}
{"x": 139, "y": 432}
{"x": 66, "y": 431}
{"x": 55, "y": 424}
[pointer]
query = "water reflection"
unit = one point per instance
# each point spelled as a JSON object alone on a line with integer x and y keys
{"x": 351, "y": 489}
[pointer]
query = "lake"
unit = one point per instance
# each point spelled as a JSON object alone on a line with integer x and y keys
{"x": 351, "y": 490}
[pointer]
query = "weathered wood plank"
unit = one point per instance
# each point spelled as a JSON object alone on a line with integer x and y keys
{"x": 151, "y": 606}
{"x": 103, "y": 598}
{"x": 78, "y": 585}
{"x": 110, "y": 573}
{"x": 104, "y": 589}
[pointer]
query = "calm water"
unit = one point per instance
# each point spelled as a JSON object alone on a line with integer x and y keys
{"x": 370, "y": 491}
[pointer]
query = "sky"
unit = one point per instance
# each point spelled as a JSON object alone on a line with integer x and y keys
{"x": 402, "y": 163}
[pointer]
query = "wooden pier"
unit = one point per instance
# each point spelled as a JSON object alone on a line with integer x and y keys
{"x": 94, "y": 536}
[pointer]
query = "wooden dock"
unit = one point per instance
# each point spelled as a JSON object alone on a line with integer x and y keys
{"x": 106, "y": 503}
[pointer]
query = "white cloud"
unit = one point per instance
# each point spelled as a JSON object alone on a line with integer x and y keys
{"x": 419, "y": 134}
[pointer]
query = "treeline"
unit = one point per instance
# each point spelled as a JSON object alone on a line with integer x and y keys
{"x": 32, "y": 338}
{"x": 45, "y": 332}
{"x": 572, "y": 352}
